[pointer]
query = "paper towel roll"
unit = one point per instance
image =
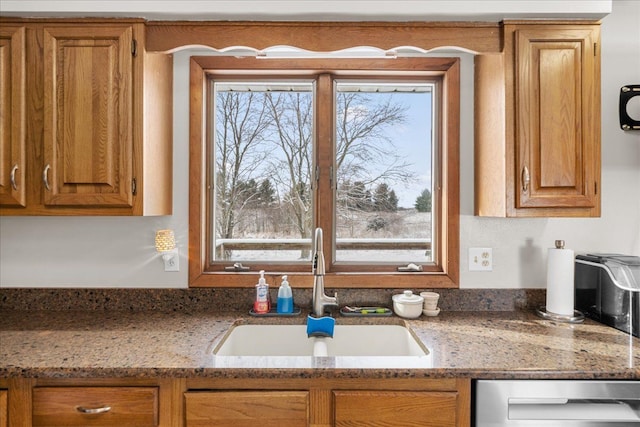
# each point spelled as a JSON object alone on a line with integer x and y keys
{"x": 560, "y": 270}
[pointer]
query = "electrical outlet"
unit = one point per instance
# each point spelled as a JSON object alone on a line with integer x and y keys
{"x": 171, "y": 260}
{"x": 480, "y": 259}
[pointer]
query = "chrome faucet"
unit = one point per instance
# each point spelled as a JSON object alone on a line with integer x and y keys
{"x": 320, "y": 300}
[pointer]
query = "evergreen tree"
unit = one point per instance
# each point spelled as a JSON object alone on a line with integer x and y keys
{"x": 423, "y": 201}
{"x": 384, "y": 199}
{"x": 266, "y": 193}
{"x": 393, "y": 201}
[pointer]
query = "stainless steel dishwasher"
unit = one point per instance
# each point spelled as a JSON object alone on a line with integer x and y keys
{"x": 562, "y": 403}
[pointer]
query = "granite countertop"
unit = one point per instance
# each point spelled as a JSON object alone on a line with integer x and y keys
{"x": 490, "y": 345}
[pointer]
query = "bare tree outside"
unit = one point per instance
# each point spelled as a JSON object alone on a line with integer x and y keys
{"x": 241, "y": 121}
{"x": 291, "y": 116}
{"x": 363, "y": 140}
{"x": 365, "y": 154}
{"x": 264, "y": 139}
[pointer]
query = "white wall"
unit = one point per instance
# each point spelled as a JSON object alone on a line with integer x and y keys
{"x": 334, "y": 10}
{"x": 118, "y": 252}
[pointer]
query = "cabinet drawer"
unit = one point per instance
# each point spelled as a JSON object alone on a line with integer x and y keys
{"x": 95, "y": 406}
{"x": 247, "y": 409}
{"x": 395, "y": 408}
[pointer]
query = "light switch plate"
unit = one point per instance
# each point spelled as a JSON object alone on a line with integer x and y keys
{"x": 480, "y": 259}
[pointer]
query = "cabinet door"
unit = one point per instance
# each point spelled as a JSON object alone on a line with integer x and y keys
{"x": 88, "y": 136}
{"x": 247, "y": 409}
{"x": 3, "y": 408}
{"x": 557, "y": 118}
{"x": 95, "y": 406}
{"x": 12, "y": 119}
{"x": 395, "y": 408}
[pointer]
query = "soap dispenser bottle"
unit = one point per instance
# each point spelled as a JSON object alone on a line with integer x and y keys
{"x": 262, "y": 304}
{"x": 285, "y": 297}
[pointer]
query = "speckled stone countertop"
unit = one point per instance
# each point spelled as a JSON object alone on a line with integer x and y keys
{"x": 490, "y": 345}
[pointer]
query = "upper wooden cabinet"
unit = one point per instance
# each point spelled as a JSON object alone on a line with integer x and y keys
{"x": 98, "y": 120}
{"x": 12, "y": 121}
{"x": 538, "y": 139}
{"x": 88, "y": 133}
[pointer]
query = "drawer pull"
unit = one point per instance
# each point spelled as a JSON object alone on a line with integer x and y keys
{"x": 45, "y": 177}
{"x": 525, "y": 179}
{"x": 100, "y": 410}
{"x": 12, "y": 178}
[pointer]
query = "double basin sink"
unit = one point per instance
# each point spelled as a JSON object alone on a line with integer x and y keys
{"x": 377, "y": 340}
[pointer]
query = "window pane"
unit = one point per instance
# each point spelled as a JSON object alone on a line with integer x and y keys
{"x": 384, "y": 154}
{"x": 263, "y": 137}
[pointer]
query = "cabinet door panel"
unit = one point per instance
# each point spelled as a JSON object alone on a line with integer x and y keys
{"x": 556, "y": 153}
{"x": 395, "y": 408}
{"x": 12, "y": 120}
{"x": 247, "y": 409}
{"x": 88, "y": 134}
{"x": 557, "y": 162}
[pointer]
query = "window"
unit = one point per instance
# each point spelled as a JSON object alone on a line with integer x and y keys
{"x": 366, "y": 149}
{"x": 261, "y": 168}
{"x": 384, "y": 171}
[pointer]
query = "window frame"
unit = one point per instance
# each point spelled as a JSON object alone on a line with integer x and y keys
{"x": 445, "y": 271}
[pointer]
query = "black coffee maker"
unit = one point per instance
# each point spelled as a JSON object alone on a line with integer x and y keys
{"x": 607, "y": 289}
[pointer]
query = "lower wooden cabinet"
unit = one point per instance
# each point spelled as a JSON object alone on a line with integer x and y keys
{"x": 3, "y": 408}
{"x": 317, "y": 402}
{"x": 247, "y": 409}
{"x": 235, "y": 402}
{"x": 395, "y": 408}
{"x": 95, "y": 406}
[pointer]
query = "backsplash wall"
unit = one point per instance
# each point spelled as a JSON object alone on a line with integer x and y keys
{"x": 241, "y": 300}
{"x": 99, "y": 252}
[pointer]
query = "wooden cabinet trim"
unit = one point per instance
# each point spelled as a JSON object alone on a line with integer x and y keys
{"x": 169, "y": 36}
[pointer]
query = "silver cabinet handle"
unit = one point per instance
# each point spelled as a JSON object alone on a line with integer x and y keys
{"x": 12, "y": 177}
{"x": 45, "y": 177}
{"x": 100, "y": 410}
{"x": 525, "y": 179}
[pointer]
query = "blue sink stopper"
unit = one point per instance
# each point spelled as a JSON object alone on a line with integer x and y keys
{"x": 320, "y": 326}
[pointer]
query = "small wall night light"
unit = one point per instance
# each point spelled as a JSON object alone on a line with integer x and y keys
{"x": 166, "y": 245}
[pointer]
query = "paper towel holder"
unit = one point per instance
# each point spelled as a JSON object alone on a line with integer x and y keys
{"x": 577, "y": 317}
